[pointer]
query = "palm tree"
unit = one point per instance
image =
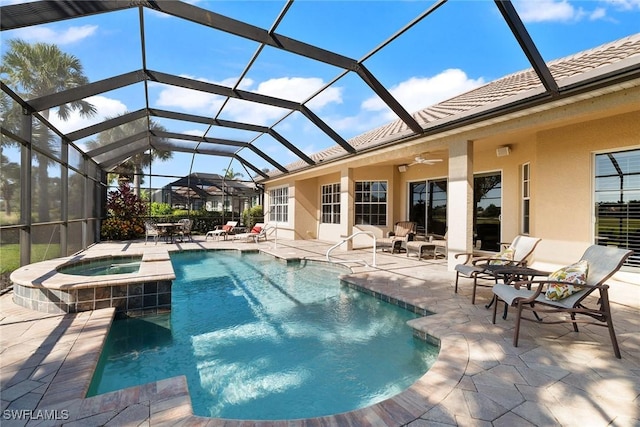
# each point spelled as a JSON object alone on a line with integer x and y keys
{"x": 9, "y": 181}
{"x": 230, "y": 174}
{"x": 132, "y": 168}
{"x": 35, "y": 70}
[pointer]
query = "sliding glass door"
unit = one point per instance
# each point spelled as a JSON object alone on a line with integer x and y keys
{"x": 428, "y": 206}
{"x": 487, "y": 197}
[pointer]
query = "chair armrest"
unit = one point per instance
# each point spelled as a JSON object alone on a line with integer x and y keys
{"x": 467, "y": 255}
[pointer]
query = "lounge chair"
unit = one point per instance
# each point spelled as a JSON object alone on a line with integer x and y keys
{"x": 258, "y": 232}
{"x": 601, "y": 263}
{"x": 403, "y": 231}
{"x": 225, "y": 230}
{"x": 151, "y": 230}
{"x": 514, "y": 254}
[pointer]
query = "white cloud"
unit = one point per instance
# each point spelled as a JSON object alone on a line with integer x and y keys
{"x": 598, "y": 13}
{"x": 624, "y": 4}
{"x": 420, "y": 92}
{"x": 49, "y": 35}
{"x": 190, "y": 100}
{"x": 106, "y": 107}
{"x": 295, "y": 89}
{"x": 547, "y": 10}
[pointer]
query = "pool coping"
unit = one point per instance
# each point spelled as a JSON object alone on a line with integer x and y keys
{"x": 154, "y": 266}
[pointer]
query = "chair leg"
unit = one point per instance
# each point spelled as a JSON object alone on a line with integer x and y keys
{"x": 606, "y": 309}
{"x": 495, "y": 308}
{"x": 475, "y": 284}
{"x": 455, "y": 291}
{"x": 573, "y": 320}
{"x": 516, "y": 333}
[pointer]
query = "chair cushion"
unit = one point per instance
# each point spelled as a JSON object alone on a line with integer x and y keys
{"x": 575, "y": 273}
{"x": 504, "y": 257}
{"x": 256, "y": 229}
{"x": 227, "y": 228}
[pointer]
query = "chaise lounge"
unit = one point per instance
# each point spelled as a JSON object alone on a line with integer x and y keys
{"x": 223, "y": 231}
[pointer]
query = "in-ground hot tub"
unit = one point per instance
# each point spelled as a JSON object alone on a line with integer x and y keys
{"x": 135, "y": 285}
{"x": 102, "y": 266}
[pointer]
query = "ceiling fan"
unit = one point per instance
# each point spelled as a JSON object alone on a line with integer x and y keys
{"x": 422, "y": 160}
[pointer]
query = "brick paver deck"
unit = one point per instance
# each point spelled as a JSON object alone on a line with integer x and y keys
{"x": 555, "y": 376}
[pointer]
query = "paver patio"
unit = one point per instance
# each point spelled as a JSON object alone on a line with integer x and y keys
{"x": 555, "y": 376}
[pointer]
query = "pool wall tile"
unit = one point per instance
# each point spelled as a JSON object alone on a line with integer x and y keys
{"x": 119, "y": 291}
{"x": 103, "y": 293}
{"x": 135, "y": 289}
{"x": 130, "y": 300}
{"x": 151, "y": 288}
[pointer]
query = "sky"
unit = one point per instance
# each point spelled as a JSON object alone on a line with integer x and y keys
{"x": 460, "y": 46}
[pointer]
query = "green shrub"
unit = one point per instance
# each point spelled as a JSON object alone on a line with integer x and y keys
{"x": 252, "y": 216}
{"x": 161, "y": 209}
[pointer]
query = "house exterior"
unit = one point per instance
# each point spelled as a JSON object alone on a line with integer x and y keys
{"x": 501, "y": 160}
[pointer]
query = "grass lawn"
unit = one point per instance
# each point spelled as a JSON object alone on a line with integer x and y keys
{"x": 10, "y": 255}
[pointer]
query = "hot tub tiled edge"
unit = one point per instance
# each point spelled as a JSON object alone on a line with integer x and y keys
{"x": 42, "y": 288}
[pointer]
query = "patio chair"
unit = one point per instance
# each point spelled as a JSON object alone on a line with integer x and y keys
{"x": 185, "y": 229}
{"x": 601, "y": 263}
{"x": 514, "y": 254}
{"x": 257, "y": 233}
{"x": 151, "y": 230}
{"x": 221, "y": 231}
{"x": 403, "y": 231}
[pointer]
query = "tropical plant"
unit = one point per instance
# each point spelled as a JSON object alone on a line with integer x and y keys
{"x": 35, "y": 70}
{"x": 132, "y": 167}
{"x": 125, "y": 214}
{"x": 230, "y": 174}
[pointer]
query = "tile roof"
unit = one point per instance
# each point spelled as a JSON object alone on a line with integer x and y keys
{"x": 487, "y": 95}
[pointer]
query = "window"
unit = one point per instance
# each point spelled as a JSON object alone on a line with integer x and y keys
{"x": 371, "y": 202}
{"x": 330, "y": 204}
{"x": 279, "y": 204}
{"x": 617, "y": 201}
{"x": 526, "y": 198}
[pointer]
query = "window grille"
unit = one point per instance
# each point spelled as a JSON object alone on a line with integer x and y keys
{"x": 617, "y": 201}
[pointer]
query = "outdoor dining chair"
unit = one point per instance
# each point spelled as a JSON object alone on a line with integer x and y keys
{"x": 568, "y": 292}
{"x": 515, "y": 254}
{"x": 184, "y": 231}
{"x": 151, "y": 230}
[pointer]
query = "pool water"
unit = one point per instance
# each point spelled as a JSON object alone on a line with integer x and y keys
{"x": 259, "y": 339}
{"x": 101, "y": 267}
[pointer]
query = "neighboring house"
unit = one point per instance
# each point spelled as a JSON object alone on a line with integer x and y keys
{"x": 564, "y": 167}
{"x": 211, "y": 192}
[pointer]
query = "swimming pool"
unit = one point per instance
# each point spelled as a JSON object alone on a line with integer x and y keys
{"x": 260, "y": 339}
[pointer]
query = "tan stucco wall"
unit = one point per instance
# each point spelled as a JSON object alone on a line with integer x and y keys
{"x": 563, "y": 173}
{"x": 306, "y": 209}
{"x": 559, "y": 144}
